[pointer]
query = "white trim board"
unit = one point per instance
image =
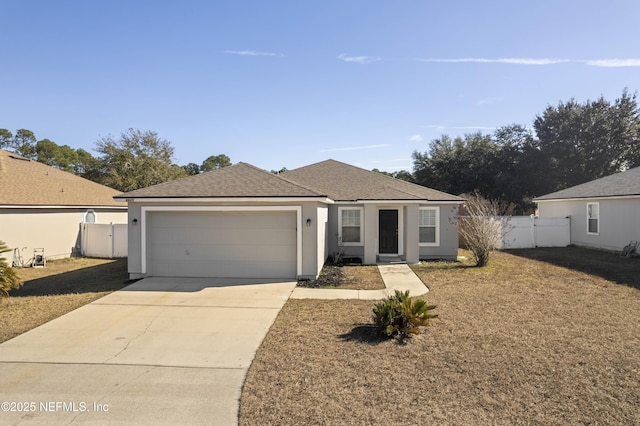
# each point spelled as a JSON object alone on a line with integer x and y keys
{"x": 196, "y": 200}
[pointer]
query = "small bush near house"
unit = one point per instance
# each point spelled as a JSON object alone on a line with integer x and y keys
{"x": 399, "y": 316}
{"x": 8, "y": 277}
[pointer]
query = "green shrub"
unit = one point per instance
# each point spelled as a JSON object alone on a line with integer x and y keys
{"x": 8, "y": 277}
{"x": 399, "y": 316}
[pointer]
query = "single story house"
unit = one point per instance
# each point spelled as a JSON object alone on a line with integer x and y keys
{"x": 42, "y": 207}
{"x": 604, "y": 213}
{"x": 242, "y": 221}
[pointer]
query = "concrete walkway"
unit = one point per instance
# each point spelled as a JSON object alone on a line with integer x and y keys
{"x": 395, "y": 277}
{"x": 161, "y": 351}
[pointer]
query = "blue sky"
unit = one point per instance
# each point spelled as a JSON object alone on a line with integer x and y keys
{"x": 288, "y": 83}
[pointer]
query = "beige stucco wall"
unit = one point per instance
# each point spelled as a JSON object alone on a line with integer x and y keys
{"x": 55, "y": 230}
{"x": 619, "y": 221}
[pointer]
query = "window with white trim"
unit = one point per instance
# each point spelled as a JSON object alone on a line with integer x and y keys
{"x": 593, "y": 218}
{"x": 428, "y": 221}
{"x": 350, "y": 226}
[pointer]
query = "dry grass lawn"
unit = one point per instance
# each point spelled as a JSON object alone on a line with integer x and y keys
{"x": 64, "y": 285}
{"x": 523, "y": 341}
{"x": 366, "y": 277}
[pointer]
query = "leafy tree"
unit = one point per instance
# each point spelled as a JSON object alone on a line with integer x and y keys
{"x": 277, "y": 172}
{"x": 47, "y": 151}
{"x": 457, "y": 165}
{"x": 8, "y": 277}
{"x": 590, "y": 140}
{"x": 215, "y": 162}
{"x": 400, "y": 174}
{"x": 191, "y": 169}
{"x": 23, "y": 143}
{"x": 62, "y": 157}
{"x": 404, "y": 175}
{"x": 520, "y": 168}
{"x": 88, "y": 166}
{"x": 66, "y": 158}
{"x": 5, "y": 138}
{"x": 136, "y": 160}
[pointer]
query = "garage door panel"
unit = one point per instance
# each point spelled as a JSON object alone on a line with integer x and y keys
{"x": 237, "y": 252}
{"x": 225, "y": 269}
{"x": 222, "y": 244}
{"x": 222, "y": 219}
{"x": 204, "y": 236}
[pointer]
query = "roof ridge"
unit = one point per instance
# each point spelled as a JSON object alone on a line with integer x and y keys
{"x": 278, "y": 176}
{"x": 404, "y": 183}
{"x": 302, "y": 186}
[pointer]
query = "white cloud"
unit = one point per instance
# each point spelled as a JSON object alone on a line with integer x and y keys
{"x": 359, "y": 59}
{"x": 251, "y": 53}
{"x": 613, "y": 62}
{"x": 353, "y": 148}
{"x": 629, "y": 62}
{"x": 513, "y": 61}
{"x": 416, "y": 138}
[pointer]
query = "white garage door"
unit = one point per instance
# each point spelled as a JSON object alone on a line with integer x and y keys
{"x": 222, "y": 244}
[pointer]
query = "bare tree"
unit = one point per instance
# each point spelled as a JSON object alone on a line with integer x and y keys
{"x": 478, "y": 228}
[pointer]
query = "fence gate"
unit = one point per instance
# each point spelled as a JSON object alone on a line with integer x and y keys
{"x": 531, "y": 231}
{"x": 106, "y": 240}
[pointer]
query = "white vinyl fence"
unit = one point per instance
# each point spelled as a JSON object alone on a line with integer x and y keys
{"x": 531, "y": 231}
{"x": 106, "y": 240}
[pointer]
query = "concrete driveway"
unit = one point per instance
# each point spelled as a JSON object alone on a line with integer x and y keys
{"x": 162, "y": 351}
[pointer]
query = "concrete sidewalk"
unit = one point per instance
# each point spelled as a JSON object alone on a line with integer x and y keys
{"x": 395, "y": 277}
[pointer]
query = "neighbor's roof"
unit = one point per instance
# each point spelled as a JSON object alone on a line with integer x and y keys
{"x": 343, "y": 182}
{"x": 623, "y": 184}
{"x": 25, "y": 182}
{"x": 238, "y": 181}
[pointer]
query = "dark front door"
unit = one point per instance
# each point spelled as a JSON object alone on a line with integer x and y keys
{"x": 388, "y": 231}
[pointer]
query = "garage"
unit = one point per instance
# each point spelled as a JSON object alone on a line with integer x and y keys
{"x": 225, "y": 244}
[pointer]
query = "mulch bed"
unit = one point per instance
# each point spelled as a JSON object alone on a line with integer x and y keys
{"x": 361, "y": 277}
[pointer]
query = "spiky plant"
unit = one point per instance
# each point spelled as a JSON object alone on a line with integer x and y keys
{"x": 400, "y": 316}
{"x": 8, "y": 277}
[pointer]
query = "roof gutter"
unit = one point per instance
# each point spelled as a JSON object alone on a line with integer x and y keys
{"x": 17, "y": 206}
{"x": 173, "y": 200}
{"x": 595, "y": 197}
{"x": 400, "y": 201}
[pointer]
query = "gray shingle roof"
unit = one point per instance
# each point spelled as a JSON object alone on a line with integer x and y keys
{"x": 237, "y": 181}
{"x": 343, "y": 182}
{"x": 621, "y": 184}
{"x": 338, "y": 181}
{"x": 25, "y": 182}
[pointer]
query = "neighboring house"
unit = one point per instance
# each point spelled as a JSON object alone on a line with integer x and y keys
{"x": 604, "y": 213}
{"x": 42, "y": 207}
{"x": 242, "y": 221}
